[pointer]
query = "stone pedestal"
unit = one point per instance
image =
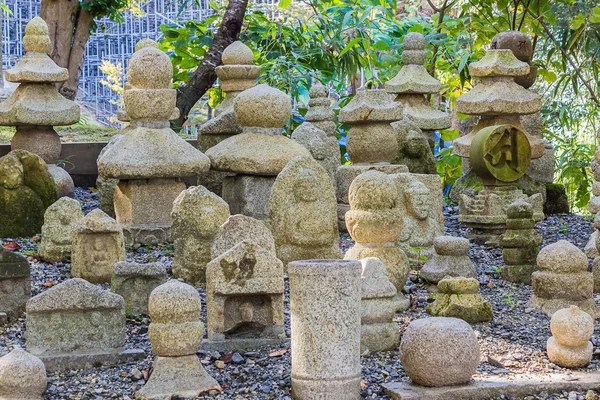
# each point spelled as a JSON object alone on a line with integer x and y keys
{"x": 248, "y": 195}
{"x": 325, "y": 323}
{"x": 143, "y": 208}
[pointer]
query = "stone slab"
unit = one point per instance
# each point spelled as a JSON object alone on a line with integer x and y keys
{"x": 494, "y": 387}
{"x": 66, "y": 362}
{"x": 242, "y": 344}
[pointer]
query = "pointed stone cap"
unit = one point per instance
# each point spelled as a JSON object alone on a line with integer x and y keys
{"x": 413, "y": 77}
{"x": 75, "y": 294}
{"x": 63, "y": 211}
{"x": 500, "y": 62}
{"x": 371, "y": 105}
{"x": 22, "y": 376}
{"x": 98, "y": 221}
{"x": 375, "y": 283}
{"x": 319, "y": 104}
{"x": 238, "y": 71}
{"x": 174, "y": 302}
{"x": 36, "y": 66}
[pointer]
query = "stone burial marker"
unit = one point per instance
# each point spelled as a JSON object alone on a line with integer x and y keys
{"x": 78, "y": 325}
{"x": 135, "y": 282}
{"x": 60, "y": 220}
{"x": 15, "y": 285}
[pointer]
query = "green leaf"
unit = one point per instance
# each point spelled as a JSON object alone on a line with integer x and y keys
{"x": 595, "y": 16}
{"x": 463, "y": 61}
{"x": 283, "y": 4}
{"x": 577, "y": 22}
{"x": 449, "y": 134}
{"x": 350, "y": 45}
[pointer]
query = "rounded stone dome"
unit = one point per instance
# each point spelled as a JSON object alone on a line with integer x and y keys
{"x": 572, "y": 326}
{"x": 237, "y": 53}
{"x": 147, "y": 42}
{"x": 451, "y": 246}
{"x": 263, "y": 106}
{"x": 174, "y": 302}
{"x": 562, "y": 257}
{"x": 518, "y": 42}
{"x": 37, "y": 38}
{"x": 372, "y": 190}
{"x": 414, "y": 41}
{"x": 520, "y": 209}
{"x": 22, "y": 376}
{"x": 439, "y": 351}
{"x": 150, "y": 68}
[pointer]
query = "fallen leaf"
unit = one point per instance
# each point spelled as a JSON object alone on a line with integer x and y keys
{"x": 36, "y": 238}
{"x": 49, "y": 283}
{"x": 278, "y": 353}
{"x": 490, "y": 285}
{"x": 12, "y": 246}
{"x": 226, "y": 358}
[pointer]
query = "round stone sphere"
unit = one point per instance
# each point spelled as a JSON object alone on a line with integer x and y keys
{"x": 414, "y": 41}
{"x": 150, "y": 68}
{"x": 518, "y": 42}
{"x": 562, "y": 257}
{"x": 572, "y": 326}
{"x": 22, "y": 376}
{"x": 263, "y": 106}
{"x": 174, "y": 302}
{"x": 451, "y": 246}
{"x": 439, "y": 351}
{"x": 237, "y": 53}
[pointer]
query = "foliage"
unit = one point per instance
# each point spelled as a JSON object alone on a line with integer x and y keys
{"x": 113, "y": 81}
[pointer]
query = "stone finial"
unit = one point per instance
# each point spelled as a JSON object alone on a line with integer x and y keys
{"x": 237, "y": 53}
{"x": 37, "y": 37}
{"x": 22, "y": 376}
{"x": 146, "y": 42}
{"x": 562, "y": 280}
{"x": 429, "y": 343}
{"x": 319, "y": 111}
{"x": 274, "y": 111}
{"x": 150, "y": 68}
{"x": 450, "y": 259}
{"x": 570, "y": 345}
{"x": 57, "y": 232}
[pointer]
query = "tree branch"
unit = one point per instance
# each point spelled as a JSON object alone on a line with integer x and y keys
{"x": 204, "y": 76}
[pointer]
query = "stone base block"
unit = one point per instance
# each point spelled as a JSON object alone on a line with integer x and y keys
{"x": 401, "y": 303}
{"x": 213, "y": 180}
{"x": 177, "y": 377}
{"x": 550, "y": 306}
{"x": 143, "y": 208}
{"x": 518, "y": 386}
{"x": 64, "y": 182}
{"x": 570, "y": 287}
{"x": 66, "y": 362}
{"x": 323, "y": 389}
{"x": 396, "y": 262}
{"x": 242, "y": 344}
{"x": 147, "y": 233}
{"x": 518, "y": 273}
{"x": 345, "y": 174}
{"x": 248, "y": 195}
{"x": 379, "y": 337}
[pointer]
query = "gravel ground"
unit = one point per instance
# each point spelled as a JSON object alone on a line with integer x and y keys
{"x": 514, "y": 343}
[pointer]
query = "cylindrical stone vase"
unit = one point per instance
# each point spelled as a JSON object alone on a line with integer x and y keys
{"x": 325, "y": 309}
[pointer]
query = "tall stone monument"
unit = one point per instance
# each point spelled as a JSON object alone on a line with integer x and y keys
{"x": 258, "y": 154}
{"x": 302, "y": 213}
{"x": 176, "y": 335}
{"x": 375, "y": 221}
{"x": 325, "y": 324}
{"x": 36, "y": 106}
{"x": 150, "y": 159}
{"x": 411, "y": 86}
{"x": 26, "y": 191}
{"x": 499, "y": 149}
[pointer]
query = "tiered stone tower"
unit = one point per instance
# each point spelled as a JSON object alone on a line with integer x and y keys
{"x": 413, "y": 83}
{"x": 36, "y": 106}
{"x": 150, "y": 159}
{"x": 499, "y": 149}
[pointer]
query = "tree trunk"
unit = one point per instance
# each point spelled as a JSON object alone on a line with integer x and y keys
{"x": 204, "y": 76}
{"x": 61, "y": 16}
{"x": 80, "y": 39}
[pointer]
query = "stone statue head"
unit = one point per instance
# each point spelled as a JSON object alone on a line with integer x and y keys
{"x": 418, "y": 200}
{"x": 304, "y": 188}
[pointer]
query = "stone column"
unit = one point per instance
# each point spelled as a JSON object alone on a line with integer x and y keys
{"x": 325, "y": 323}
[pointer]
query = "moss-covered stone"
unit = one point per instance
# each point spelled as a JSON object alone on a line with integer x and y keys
{"x": 459, "y": 299}
{"x": 26, "y": 190}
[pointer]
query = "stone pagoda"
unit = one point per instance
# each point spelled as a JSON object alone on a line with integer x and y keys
{"x": 371, "y": 142}
{"x": 413, "y": 83}
{"x": 150, "y": 159}
{"x": 499, "y": 149}
{"x": 257, "y": 155}
{"x": 36, "y": 105}
{"x": 320, "y": 113}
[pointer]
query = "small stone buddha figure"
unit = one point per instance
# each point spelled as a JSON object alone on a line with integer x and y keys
{"x": 26, "y": 190}
{"x": 302, "y": 210}
{"x": 420, "y": 229}
{"x": 413, "y": 148}
{"x": 57, "y": 232}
